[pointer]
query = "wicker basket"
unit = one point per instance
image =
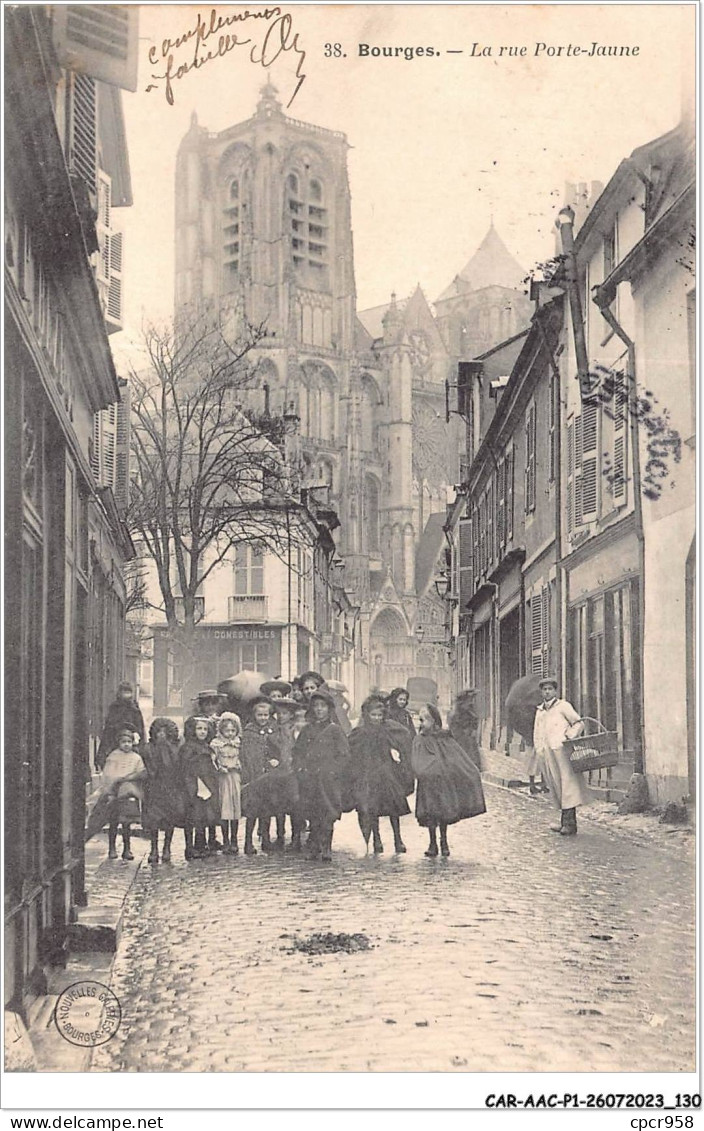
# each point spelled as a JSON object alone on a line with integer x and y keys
{"x": 594, "y": 751}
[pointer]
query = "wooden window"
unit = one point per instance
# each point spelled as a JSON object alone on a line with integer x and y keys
{"x": 249, "y": 571}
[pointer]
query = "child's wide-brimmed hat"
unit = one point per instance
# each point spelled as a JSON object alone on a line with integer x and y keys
{"x": 548, "y": 680}
{"x": 276, "y": 685}
{"x": 287, "y": 704}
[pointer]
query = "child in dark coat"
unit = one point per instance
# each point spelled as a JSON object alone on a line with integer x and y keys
{"x": 260, "y": 754}
{"x": 320, "y": 758}
{"x": 164, "y": 802}
{"x": 200, "y": 778}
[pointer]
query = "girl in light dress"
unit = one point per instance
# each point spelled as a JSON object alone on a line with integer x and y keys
{"x": 225, "y": 749}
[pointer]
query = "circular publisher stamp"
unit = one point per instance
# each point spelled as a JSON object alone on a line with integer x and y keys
{"x": 87, "y": 1014}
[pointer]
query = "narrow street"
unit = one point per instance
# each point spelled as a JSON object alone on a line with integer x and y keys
{"x": 522, "y": 952}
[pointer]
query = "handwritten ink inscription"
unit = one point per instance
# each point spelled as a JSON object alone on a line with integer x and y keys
{"x": 207, "y": 40}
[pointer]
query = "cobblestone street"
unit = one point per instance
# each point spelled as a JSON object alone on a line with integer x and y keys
{"x": 522, "y": 952}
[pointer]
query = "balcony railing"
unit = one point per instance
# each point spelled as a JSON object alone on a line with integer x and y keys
{"x": 247, "y": 608}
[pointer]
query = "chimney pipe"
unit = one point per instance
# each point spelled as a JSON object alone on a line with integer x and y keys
{"x": 565, "y": 226}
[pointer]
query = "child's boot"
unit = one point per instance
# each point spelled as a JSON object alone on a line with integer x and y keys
{"x": 188, "y": 842}
{"x": 214, "y": 844}
{"x": 399, "y": 846}
{"x": 153, "y": 857}
{"x": 376, "y": 835}
{"x": 126, "y": 853}
{"x": 112, "y": 842}
{"x": 234, "y": 831}
{"x": 166, "y": 854}
{"x": 249, "y": 849}
{"x": 280, "y": 832}
{"x": 327, "y": 844}
{"x": 265, "y": 827}
{"x": 225, "y": 826}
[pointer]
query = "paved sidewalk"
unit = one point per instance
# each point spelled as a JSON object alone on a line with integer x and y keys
{"x": 94, "y": 939}
{"x": 509, "y": 772}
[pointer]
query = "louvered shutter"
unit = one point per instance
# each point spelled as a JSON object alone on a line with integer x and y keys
{"x": 82, "y": 150}
{"x": 95, "y": 459}
{"x": 114, "y": 304}
{"x": 98, "y": 40}
{"x": 590, "y": 461}
{"x": 570, "y": 475}
{"x": 490, "y": 543}
{"x": 578, "y": 471}
{"x": 476, "y": 567}
{"x": 530, "y": 458}
{"x": 545, "y": 628}
{"x": 103, "y": 226}
{"x": 553, "y": 391}
{"x": 619, "y": 469}
{"x": 466, "y": 557}
{"x": 536, "y": 634}
{"x": 501, "y": 505}
{"x": 509, "y": 465}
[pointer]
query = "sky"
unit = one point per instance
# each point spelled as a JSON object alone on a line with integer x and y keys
{"x": 440, "y": 144}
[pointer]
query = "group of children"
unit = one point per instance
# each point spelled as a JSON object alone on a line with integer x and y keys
{"x": 291, "y": 759}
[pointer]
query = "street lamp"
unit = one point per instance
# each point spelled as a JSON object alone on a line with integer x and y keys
{"x": 442, "y": 585}
{"x": 420, "y": 633}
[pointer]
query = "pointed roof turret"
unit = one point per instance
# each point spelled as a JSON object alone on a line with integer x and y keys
{"x": 492, "y": 265}
{"x": 268, "y": 102}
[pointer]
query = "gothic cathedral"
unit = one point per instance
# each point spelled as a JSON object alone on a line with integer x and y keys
{"x": 263, "y": 229}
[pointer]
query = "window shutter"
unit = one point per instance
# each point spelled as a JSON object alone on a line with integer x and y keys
{"x": 82, "y": 149}
{"x": 114, "y": 303}
{"x": 509, "y": 465}
{"x": 490, "y": 543}
{"x": 466, "y": 561}
{"x": 530, "y": 458}
{"x": 619, "y": 469}
{"x": 103, "y": 226}
{"x": 618, "y": 462}
{"x": 98, "y": 40}
{"x": 578, "y": 471}
{"x": 536, "y": 634}
{"x": 545, "y": 628}
{"x": 590, "y": 460}
{"x": 570, "y": 475}
{"x": 501, "y": 505}
{"x": 553, "y": 391}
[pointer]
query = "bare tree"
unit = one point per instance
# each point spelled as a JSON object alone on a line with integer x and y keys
{"x": 209, "y": 468}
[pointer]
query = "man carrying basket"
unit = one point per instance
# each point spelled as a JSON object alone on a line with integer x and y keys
{"x": 556, "y": 723}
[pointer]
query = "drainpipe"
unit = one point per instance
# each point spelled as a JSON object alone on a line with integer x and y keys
{"x": 632, "y": 403}
{"x": 564, "y": 223}
{"x": 560, "y": 586}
